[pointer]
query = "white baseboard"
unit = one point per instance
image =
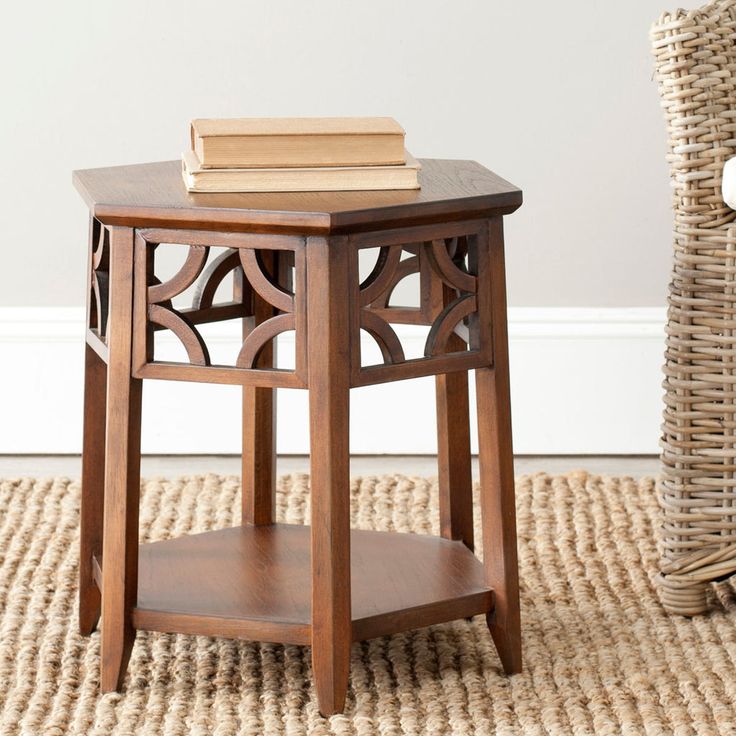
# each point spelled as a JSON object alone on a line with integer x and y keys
{"x": 584, "y": 381}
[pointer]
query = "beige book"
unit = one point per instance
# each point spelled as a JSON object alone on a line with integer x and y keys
{"x": 297, "y": 142}
{"x": 317, "y": 179}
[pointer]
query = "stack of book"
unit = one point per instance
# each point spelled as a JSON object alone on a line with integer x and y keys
{"x": 298, "y": 155}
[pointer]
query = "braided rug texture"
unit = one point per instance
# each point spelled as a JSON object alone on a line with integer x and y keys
{"x": 600, "y": 654}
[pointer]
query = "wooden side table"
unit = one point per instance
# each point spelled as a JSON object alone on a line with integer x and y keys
{"x": 292, "y": 261}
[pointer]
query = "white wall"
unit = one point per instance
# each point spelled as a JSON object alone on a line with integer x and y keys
{"x": 556, "y": 97}
{"x": 582, "y": 382}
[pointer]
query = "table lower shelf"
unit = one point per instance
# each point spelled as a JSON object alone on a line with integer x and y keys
{"x": 254, "y": 583}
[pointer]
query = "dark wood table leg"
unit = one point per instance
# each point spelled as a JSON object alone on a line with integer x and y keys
{"x": 329, "y": 408}
{"x": 122, "y": 471}
{"x": 455, "y": 475}
{"x": 497, "y": 471}
{"x": 93, "y": 488}
{"x": 259, "y": 433}
{"x": 453, "y": 456}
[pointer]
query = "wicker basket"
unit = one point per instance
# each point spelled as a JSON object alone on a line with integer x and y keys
{"x": 696, "y": 72}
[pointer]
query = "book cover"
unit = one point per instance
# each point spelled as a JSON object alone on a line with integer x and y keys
{"x": 306, "y": 179}
{"x": 297, "y": 142}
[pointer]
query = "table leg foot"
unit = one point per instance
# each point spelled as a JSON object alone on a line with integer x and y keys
{"x": 506, "y": 633}
{"x": 89, "y": 613}
{"x": 331, "y": 674}
{"x": 116, "y": 650}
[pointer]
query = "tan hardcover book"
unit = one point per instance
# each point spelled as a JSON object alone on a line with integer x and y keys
{"x": 316, "y": 179}
{"x": 297, "y": 142}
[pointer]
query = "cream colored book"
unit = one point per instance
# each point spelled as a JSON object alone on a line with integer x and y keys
{"x": 297, "y": 142}
{"x": 316, "y": 179}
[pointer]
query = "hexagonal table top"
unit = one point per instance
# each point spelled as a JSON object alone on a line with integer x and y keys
{"x": 154, "y": 195}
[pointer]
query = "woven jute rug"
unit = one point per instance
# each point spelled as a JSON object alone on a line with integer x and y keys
{"x": 601, "y": 656}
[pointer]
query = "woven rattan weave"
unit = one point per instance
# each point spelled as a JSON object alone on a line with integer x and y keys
{"x": 696, "y": 72}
